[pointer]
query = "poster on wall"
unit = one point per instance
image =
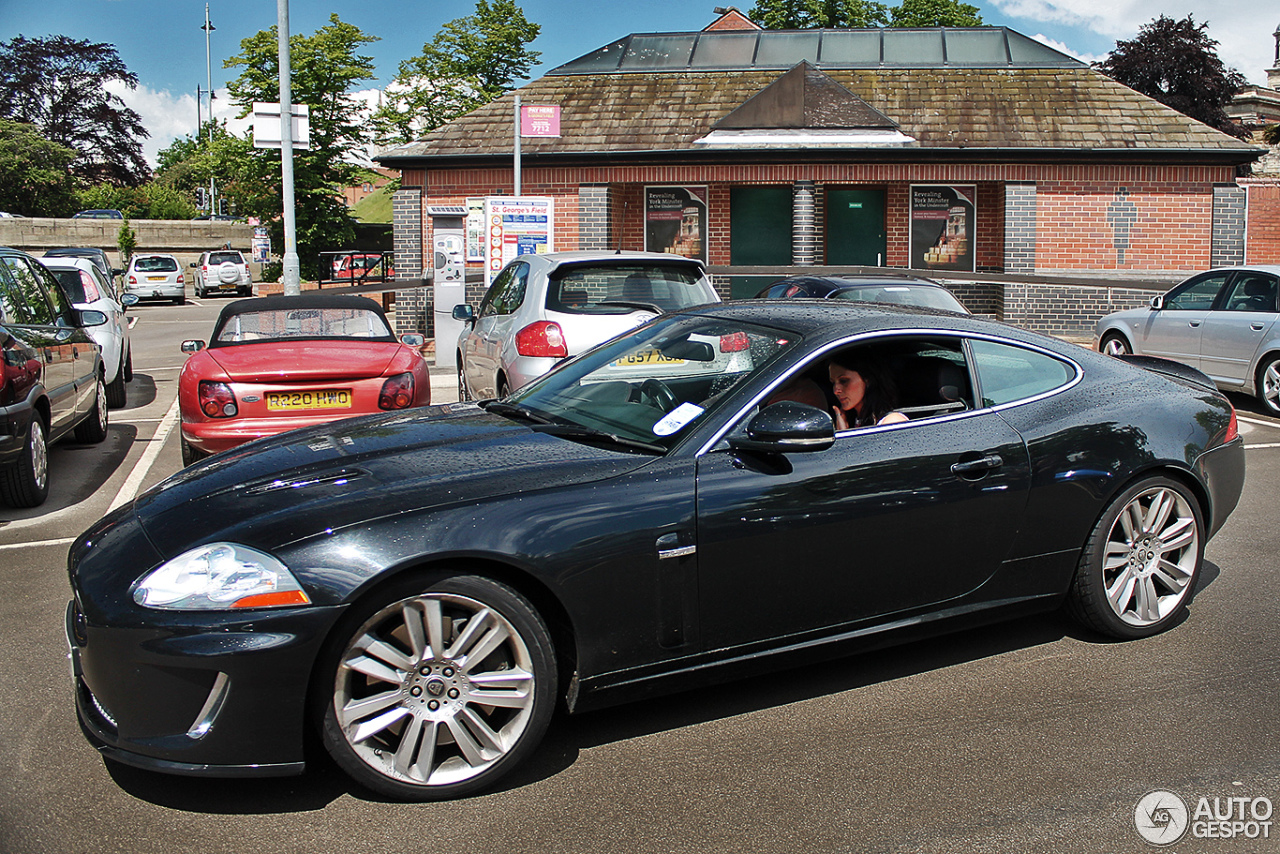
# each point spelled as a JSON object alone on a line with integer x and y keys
{"x": 524, "y": 226}
{"x": 943, "y": 227}
{"x": 475, "y": 229}
{"x": 675, "y": 220}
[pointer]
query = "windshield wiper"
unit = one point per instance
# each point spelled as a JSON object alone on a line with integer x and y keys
{"x": 497, "y": 407}
{"x": 591, "y": 434}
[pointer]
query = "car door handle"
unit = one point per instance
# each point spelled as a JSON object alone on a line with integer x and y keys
{"x": 982, "y": 464}
{"x": 1193, "y": 323}
{"x": 1257, "y": 327}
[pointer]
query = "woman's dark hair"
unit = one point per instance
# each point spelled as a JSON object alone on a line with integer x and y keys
{"x": 881, "y": 394}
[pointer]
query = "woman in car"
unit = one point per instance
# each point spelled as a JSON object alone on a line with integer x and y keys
{"x": 865, "y": 393}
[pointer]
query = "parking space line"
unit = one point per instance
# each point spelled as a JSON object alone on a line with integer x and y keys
{"x": 148, "y": 458}
{"x": 1262, "y": 445}
{"x": 1247, "y": 420}
{"x": 61, "y": 541}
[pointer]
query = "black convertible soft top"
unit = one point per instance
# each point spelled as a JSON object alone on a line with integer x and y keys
{"x": 303, "y": 301}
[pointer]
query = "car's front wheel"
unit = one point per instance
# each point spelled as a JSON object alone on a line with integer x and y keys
{"x": 1268, "y": 386}
{"x": 437, "y": 687}
{"x": 1140, "y": 564}
{"x": 464, "y": 394}
{"x": 1114, "y": 344}
{"x": 26, "y": 482}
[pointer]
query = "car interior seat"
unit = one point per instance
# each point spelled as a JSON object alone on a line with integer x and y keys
{"x": 931, "y": 385}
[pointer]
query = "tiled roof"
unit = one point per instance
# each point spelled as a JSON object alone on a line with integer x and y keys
{"x": 1069, "y": 110}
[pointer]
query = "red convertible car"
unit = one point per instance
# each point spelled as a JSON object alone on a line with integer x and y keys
{"x": 277, "y": 363}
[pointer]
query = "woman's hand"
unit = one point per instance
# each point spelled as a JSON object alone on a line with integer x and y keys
{"x": 842, "y": 423}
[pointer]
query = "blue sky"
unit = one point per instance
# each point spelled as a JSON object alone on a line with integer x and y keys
{"x": 161, "y": 40}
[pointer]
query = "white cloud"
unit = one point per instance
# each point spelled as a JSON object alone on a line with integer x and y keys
{"x": 168, "y": 117}
{"x": 1067, "y": 49}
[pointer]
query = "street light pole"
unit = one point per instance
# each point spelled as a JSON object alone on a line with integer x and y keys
{"x": 291, "y": 276}
{"x": 208, "y": 71}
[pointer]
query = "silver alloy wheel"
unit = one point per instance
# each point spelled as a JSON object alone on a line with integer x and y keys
{"x": 434, "y": 689}
{"x": 1151, "y": 555}
{"x": 102, "y": 405}
{"x": 39, "y": 456}
{"x": 1113, "y": 345}
{"x": 1271, "y": 386}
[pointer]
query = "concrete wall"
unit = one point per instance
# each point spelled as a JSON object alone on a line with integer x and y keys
{"x": 185, "y": 239}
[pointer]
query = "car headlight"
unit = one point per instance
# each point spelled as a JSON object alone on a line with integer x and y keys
{"x": 217, "y": 577}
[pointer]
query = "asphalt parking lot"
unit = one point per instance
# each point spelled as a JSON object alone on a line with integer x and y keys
{"x": 1031, "y": 736}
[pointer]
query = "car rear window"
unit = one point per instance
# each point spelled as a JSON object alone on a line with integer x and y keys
{"x": 303, "y": 323}
{"x": 226, "y": 257}
{"x": 916, "y": 295}
{"x": 155, "y": 264}
{"x": 621, "y": 288}
{"x": 78, "y": 285}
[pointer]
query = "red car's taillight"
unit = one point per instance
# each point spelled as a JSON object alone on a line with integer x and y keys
{"x": 217, "y": 400}
{"x": 544, "y": 339}
{"x": 397, "y": 392}
{"x": 735, "y": 342}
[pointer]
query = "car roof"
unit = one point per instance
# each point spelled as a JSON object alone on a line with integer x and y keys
{"x": 75, "y": 252}
{"x": 137, "y": 255}
{"x": 556, "y": 259}
{"x": 79, "y": 262}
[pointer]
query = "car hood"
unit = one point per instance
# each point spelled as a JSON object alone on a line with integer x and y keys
{"x": 287, "y": 488}
{"x": 304, "y": 361}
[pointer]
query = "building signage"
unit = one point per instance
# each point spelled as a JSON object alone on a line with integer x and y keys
{"x": 475, "y": 229}
{"x": 260, "y": 246}
{"x": 675, "y": 220}
{"x": 943, "y": 227}
{"x": 524, "y": 226}
{"x": 539, "y": 121}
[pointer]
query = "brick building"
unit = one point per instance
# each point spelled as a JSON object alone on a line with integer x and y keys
{"x": 973, "y": 150}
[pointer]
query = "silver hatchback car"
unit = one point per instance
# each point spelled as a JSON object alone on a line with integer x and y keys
{"x": 1222, "y": 322}
{"x": 543, "y": 308}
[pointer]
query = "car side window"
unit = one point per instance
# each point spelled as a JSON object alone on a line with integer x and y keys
{"x": 490, "y": 304}
{"x": 1251, "y": 292}
{"x": 1197, "y": 294}
{"x": 507, "y": 293}
{"x": 32, "y": 292}
{"x": 1007, "y": 373}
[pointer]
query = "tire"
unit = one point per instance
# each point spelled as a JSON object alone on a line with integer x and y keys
{"x": 504, "y": 388}
{"x": 190, "y": 455}
{"x": 116, "y": 393}
{"x": 1268, "y": 384}
{"x": 1141, "y": 562}
{"x": 128, "y": 366}
{"x": 404, "y": 712}
{"x": 26, "y": 482}
{"x": 464, "y": 394}
{"x": 1114, "y": 344}
{"x": 93, "y": 429}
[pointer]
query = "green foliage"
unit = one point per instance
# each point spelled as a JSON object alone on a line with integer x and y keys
{"x": 126, "y": 241}
{"x": 1177, "y": 64}
{"x": 61, "y": 86}
{"x": 326, "y": 66}
{"x": 33, "y": 173}
{"x": 1271, "y": 134}
{"x": 375, "y": 207}
{"x": 812, "y": 14}
{"x": 103, "y": 196}
{"x": 935, "y": 13}
{"x": 470, "y": 62}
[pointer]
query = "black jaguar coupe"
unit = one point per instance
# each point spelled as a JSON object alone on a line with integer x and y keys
{"x": 421, "y": 590}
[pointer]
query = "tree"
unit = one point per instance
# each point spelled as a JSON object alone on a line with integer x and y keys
{"x": 326, "y": 66}
{"x": 1177, "y": 64}
{"x": 60, "y": 85}
{"x": 935, "y": 13}
{"x": 33, "y": 173}
{"x": 812, "y": 14}
{"x": 1271, "y": 134}
{"x": 470, "y": 62}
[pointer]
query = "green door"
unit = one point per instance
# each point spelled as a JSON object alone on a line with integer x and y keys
{"x": 759, "y": 234}
{"x": 856, "y": 234}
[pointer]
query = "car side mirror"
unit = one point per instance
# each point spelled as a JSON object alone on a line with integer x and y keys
{"x": 787, "y": 427}
{"x": 465, "y": 313}
{"x": 117, "y": 271}
{"x": 127, "y": 300}
{"x": 192, "y": 346}
{"x": 194, "y": 264}
{"x": 1157, "y": 302}
{"x": 88, "y": 317}
{"x": 413, "y": 339}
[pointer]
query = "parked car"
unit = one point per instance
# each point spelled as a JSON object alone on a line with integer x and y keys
{"x": 543, "y": 308}
{"x": 153, "y": 275}
{"x": 102, "y": 213}
{"x": 894, "y": 290}
{"x": 223, "y": 271}
{"x": 363, "y": 265}
{"x": 279, "y": 363}
{"x": 99, "y": 258}
{"x": 1222, "y": 322}
{"x": 51, "y": 381}
{"x": 423, "y": 589}
{"x": 87, "y": 288}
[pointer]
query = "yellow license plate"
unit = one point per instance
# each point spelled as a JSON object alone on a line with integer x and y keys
{"x": 325, "y": 398}
{"x": 646, "y": 357}
{"x": 156, "y": 278}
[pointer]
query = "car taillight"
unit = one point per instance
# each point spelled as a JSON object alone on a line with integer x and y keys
{"x": 133, "y": 280}
{"x": 181, "y": 280}
{"x": 397, "y": 392}
{"x": 1233, "y": 427}
{"x": 217, "y": 400}
{"x": 543, "y": 338}
{"x": 735, "y": 342}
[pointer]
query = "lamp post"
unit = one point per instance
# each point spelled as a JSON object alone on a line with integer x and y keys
{"x": 208, "y": 71}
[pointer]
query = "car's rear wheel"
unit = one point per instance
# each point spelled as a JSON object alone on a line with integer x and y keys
{"x": 190, "y": 454}
{"x": 116, "y": 393}
{"x": 1268, "y": 386}
{"x": 26, "y": 482}
{"x": 463, "y": 393}
{"x": 1140, "y": 564}
{"x": 93, "y": 429}
{"x": 1114, "y": 344}
{"x": 504, "y": 388}
{"x": 437, "y": 686}
{"x": 128, "y": 366}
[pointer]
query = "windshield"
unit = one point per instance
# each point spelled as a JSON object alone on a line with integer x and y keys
{"x": 655, "y": 383}
{"x": 917, "y": 295}
{"x": 618, "y": 288}
{"x": 302, "y": 323}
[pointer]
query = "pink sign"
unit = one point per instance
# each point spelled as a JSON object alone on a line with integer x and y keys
{"x": 539, "y": 121}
